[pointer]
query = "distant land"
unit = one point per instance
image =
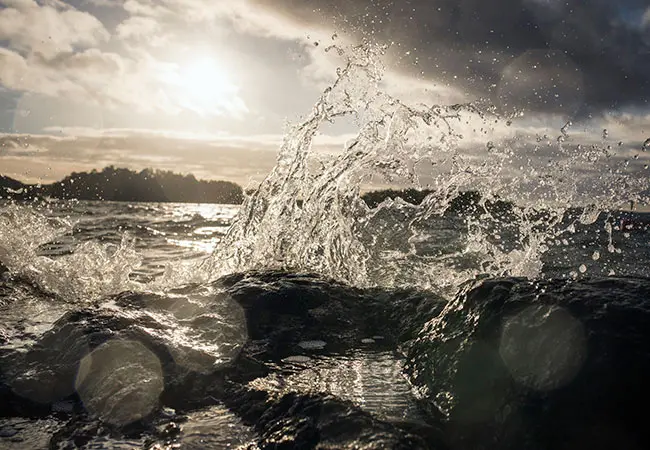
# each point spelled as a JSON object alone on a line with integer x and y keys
{"x": 464, "y": 202}
{"x": 117, "y": 184}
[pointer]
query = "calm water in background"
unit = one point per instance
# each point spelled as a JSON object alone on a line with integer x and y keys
{"x": 164, "y": 232}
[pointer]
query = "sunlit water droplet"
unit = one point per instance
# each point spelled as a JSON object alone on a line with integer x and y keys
{"x": 646, "y": 145}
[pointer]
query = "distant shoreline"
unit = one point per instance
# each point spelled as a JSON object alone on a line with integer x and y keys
{"x": 148, "y": 186}
{"x": 124, "y": 185}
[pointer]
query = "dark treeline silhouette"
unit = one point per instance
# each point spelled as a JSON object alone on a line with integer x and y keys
{"x": 116, "y": 184}
{"x": 464, "y": 202}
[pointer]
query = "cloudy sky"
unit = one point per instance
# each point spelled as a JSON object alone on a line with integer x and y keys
{"x": 210, "y": 86}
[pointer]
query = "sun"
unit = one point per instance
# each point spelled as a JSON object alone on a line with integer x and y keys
{"x": 204, "y": 86}
{"x": 204, "y": 77}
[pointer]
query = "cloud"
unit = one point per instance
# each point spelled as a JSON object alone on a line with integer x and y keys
{"x": 138, "y": 28}
{"x": 58, "y": 51}
{"x": 18, "y": 73}
{"x": 19, "y": 146}
{"x": 105, "y": 3}
{"x": 231, "y": 158}
{"x": 88, "y": 76}
{"x": 567, "y": 58}
{"x": 471, "y": 43}
{"x": 246, "y": 16}
{"x": 48, "y": 29}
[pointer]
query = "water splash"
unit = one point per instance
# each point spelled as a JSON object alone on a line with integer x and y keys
{"x": 308, "y": 215}
{"x": 91, "y": 271}
{"x": 309, "y": 218}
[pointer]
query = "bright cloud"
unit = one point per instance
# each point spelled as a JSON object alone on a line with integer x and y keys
{"x": 48, "y": 29}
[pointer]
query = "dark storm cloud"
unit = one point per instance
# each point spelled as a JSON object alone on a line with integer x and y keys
{"x": 559, "y": 56}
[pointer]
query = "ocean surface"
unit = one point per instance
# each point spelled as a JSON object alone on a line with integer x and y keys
{"x": 162, "y": 366}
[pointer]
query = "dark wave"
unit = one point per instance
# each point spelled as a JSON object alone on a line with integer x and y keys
{"x": 311, "y": 363}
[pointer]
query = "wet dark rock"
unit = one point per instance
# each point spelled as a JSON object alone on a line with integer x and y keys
{"x": 514, "y": 364}
{"x": 311, "y": 420}
{"x": 20, "y": 433}
{"x": 48, "y": 372}
{"x": 509, "y": 364}
{"x": 282, "y": 310}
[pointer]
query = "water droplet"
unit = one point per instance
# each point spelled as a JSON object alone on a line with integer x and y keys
{"x": 564, "y": 130}
{"x": 582, "y": 268}
{"x": 605, "y": 133}
{"x": 646, "y": 145}
{"x": 596, "y": 255}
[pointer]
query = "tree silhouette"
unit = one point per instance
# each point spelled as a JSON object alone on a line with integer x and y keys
{"x": 119, "y": 184}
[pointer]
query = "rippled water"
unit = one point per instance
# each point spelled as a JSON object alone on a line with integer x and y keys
{"x": 164, "y": 232}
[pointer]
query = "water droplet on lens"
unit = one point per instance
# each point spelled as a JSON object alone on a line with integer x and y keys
{"x": 582, "y": 268}
{"x": 646, "y": 145}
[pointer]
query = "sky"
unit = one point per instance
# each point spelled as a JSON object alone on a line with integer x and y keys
{"x": 211, "y": 86}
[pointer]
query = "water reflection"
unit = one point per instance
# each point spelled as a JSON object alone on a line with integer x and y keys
{"x": 374, "y": 381}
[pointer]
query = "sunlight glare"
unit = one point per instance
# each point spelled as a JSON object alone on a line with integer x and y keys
{"x": 203, "y": 86}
